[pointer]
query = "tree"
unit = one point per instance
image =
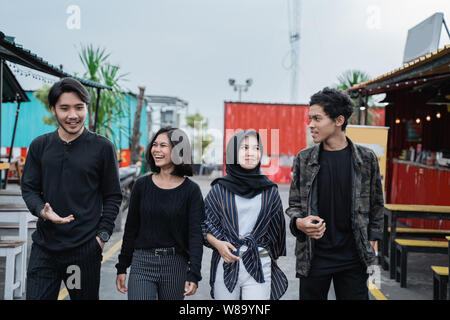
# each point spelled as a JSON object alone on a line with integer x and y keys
{"x": 200, "y": 125}
{"x": 348, "y": 79}
{"x": 110, "y": 110}
{"x": 135, "y": 147}
{"x": 42, "y": 95}
{"x": 92, "y": 59}
{"x": 98, "y": 69}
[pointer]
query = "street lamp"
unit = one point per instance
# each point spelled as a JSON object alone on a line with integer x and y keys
{"x": 240, "y": 87}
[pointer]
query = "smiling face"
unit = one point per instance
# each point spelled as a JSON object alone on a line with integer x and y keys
{"x": 249, "y": 152}
{"x": 321, "y": 126}
{"x": 70, "y": 112}
{"x": 162, "y": 150}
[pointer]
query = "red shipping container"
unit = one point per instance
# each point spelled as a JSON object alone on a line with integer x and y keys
{"x": 283, "y": 128}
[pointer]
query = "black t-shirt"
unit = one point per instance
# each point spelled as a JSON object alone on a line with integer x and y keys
{"x": 162, "y": 218}
{"x": 336, "y": 250}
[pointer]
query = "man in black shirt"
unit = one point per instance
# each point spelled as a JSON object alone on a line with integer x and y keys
{"x": 71, "y": 183}
{"x": 335, "y": 204}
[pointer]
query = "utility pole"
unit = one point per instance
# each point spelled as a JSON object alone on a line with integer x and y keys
{"x": 294, "y": 40}
{"x": 135, "y": 147}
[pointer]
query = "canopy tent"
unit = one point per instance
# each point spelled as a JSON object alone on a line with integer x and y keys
{"x": 11, "y": 51}
{"x": 11, "y": 92}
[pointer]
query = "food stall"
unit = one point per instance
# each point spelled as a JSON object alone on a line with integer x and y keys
{"x": 418, "y": 117}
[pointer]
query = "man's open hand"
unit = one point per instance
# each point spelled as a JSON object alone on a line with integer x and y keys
{"x": 48, "y": 214}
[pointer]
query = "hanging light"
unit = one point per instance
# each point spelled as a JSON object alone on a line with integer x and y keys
{"x": 418, "y": 120}
{"x": 428, "y": 118}
{"x": 438, "y": 115}
{"x": 397, "y": 121}
{"x": 439, "y": 99}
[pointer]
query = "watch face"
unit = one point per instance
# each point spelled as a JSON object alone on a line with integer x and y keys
{"x": 103, "y": 236}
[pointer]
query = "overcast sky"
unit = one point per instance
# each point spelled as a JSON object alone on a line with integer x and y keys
{"x": 190, "y": 48}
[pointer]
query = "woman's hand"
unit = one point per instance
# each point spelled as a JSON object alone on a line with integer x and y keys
{"x": 223, "y": 247}
{"x": 224, "y": 250}
{"x": 190, "y": 288}
{"x": 120, "y": 283}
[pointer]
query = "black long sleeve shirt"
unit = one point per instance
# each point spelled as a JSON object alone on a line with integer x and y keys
{"x": 162, "y": 218}
{"x": 79, "y": 178}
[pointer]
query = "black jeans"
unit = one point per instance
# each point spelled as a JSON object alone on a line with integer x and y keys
{"x": 348, "y": 285}
{"x": 79, "y": 268}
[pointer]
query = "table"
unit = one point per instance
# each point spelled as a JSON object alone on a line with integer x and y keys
{"x": 394, "y": 211}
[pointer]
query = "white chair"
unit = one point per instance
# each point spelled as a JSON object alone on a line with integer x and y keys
{"x": 14, "y": 273}
{"x": 15, "y": 251}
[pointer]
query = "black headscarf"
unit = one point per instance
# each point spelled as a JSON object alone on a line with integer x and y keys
{"x": 240, "y": 181}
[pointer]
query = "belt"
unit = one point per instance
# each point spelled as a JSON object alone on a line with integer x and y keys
{"x": 162, "y": 251}
{"x": 262, "y": 253}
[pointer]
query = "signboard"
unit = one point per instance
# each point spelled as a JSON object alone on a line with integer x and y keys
{"x": 374, "y": 138}
{"x": 424, "y": 37}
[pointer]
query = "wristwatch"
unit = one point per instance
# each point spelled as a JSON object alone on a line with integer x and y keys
{"x": 104, "y": 236}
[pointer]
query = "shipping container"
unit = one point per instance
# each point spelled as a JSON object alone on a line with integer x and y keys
{"x": 283, "y": 129}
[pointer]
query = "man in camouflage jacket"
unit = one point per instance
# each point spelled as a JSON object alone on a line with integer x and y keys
{"x": 328, "y": 114}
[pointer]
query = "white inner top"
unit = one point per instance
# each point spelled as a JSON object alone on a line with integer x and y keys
{"x": 248, "y": 212}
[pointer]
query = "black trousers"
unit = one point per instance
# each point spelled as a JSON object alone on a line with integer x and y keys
{"x": 79, "y": 268}
{"x": 350, "y": 284}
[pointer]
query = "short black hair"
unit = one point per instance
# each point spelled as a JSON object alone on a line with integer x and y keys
{"x": 335, "y": 103}
{"x": 184, "y": 156}
{"x": 67, "y": 85}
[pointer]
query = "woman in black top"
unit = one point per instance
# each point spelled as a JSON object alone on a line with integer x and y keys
{"x": 163, "y": 238}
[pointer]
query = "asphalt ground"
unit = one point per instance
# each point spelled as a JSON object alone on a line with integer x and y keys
{"x": 420, "y": 285}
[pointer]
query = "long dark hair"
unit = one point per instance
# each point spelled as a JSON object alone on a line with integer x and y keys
{"x": 182, "y": 159}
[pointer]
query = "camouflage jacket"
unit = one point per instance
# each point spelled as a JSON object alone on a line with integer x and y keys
{"x": 367, "y": 202}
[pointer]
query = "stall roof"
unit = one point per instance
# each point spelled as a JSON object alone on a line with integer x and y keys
{"x": 12, "y": 91}
{"x": 166, "y": 100}
{"x": 429, "y": 67}
{"x": 15, "y": 53}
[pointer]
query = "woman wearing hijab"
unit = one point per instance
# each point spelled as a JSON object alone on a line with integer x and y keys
{"x": 245, "y": 226}
{"x": 163, "y": 240}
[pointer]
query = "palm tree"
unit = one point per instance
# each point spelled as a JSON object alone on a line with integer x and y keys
{"x": 110, "y": 110}
{"x": 348, "y": 79}
{"x": 92, "y": 59}
{"x": 98, "y": 69}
